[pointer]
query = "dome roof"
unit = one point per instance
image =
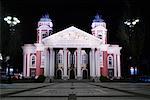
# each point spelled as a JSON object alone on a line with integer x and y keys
{"x": 45, "y": 18}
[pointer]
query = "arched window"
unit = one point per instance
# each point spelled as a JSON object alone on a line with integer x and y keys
{"x": 110, "y": 61}
{"x": 100, "y": 36}
{"x": 33, "y": 58}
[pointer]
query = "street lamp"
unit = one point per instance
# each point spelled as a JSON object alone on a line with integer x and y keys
{"x": 1, "y": 58}
{"x": 11, "y": 21}
{"x": 131, "y": 24}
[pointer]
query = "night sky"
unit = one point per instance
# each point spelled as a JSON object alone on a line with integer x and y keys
{"x": 79, "y": 13}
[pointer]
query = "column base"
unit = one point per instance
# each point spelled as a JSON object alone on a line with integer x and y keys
{"x": 118, "y": 77}
{"x": 95, "y": 78}
{"x": 49, "y": 79}
{"x": 65, "y": 77}
{"x": 79, "y": 78}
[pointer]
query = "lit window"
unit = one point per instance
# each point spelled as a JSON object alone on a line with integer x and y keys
{"x": 110, "y": 61}
{"x": 44, "y": 35}
{"x": 100, "y": 36}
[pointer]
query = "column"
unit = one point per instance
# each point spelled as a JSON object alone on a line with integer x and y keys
{"x": 40, "y": 36}
{"x": 115, "y": 66}
{"x": 118, "y": 65}
{"x": 93, "y": 62}
{"x": 46, "y": 67}
{"x": 24, "y": 65}
{"x": 79, "y": 63}
{"x": 51, "y": 62}
{"x": 90, "y": 54}
{"x": 76, "y": 59}
{"x": 65, "y": 64}
{"x": 98, "y": 63}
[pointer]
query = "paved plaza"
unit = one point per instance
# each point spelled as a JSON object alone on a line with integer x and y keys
{"x": 75, "y": 91}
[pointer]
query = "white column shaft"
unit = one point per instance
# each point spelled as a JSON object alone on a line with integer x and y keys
{"x": 46, "y": 68}
{"x": 75, "y": 59}
{"x": 93, "y": 62}
{"x": 115, "y": 66}
{"x": 118, "y": 63}
{"x": 51, "y": 62}
{"x": 65, "y": 62}
{"x": 24, "y": 64}
{"x": 78, "y": 62}
{"x": 45, "y": 63}
{"x": 40, "y": 36}
{"x": 98, "y": 62}
{"x": 28, "y": 65}
{"x": 90, "y": 54}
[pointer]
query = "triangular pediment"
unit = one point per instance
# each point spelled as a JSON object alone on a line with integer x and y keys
{"x": 72, "y": 37}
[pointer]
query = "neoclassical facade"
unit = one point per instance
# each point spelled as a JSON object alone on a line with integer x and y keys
{"x": 71, "y": 53}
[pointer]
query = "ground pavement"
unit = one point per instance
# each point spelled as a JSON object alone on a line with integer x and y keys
{"x": 75, "y": 91}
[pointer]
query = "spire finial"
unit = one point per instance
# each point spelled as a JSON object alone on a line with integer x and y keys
{"x": 45, "y": 17}
{"x": 98, "y": 18}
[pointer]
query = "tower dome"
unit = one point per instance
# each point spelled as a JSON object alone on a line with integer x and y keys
{"x": 45, "y": 28}
{"x": 99, "y": 29}
{"x": 98, "y": 21}
{"x": 45, "y": 20}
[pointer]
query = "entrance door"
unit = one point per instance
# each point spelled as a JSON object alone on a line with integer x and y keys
{"x": 85, "y": 74}
{"x": 59, "y": 74}
{"x": 72, "y": 74}
{"x": 110, "y": 73}
{"x": 32, "y": 72}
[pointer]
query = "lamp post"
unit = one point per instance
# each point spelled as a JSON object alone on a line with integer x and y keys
{"x": 1, "y": 58}
{"x": 131, "y": 24}
{"x": 11, "y": 21}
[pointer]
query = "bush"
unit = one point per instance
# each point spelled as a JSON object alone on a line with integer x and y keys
{"x": 40, "y": 79}
{"x": 103, "y": 78}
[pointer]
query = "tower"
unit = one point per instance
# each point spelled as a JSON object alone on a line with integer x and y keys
{"x": 45, "y": 28}
{"x": 99, "y": 29}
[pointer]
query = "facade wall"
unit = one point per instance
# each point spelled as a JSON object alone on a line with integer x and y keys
{"x": 72, "y": 43}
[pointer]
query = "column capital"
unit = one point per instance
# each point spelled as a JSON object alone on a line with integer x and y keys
{"x": 78, "y": 48}
{"x": 98, "y": 48}
{"x": 64, "y": 48}
{"x": 92, "y": 49}
{"x": 51, "y": 48}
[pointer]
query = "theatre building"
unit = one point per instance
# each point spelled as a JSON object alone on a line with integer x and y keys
{"x": 71, "y": 53}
